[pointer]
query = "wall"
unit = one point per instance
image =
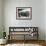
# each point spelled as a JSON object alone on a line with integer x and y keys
{"x": 45, "y": 19}
{"x": 37, "y": 15}
{"x": 0, "y": 18}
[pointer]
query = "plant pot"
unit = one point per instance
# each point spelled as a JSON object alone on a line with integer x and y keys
{"x": 3, "y": 41}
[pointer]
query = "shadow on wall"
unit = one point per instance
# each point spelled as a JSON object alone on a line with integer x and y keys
{"x": 1, "y": 34}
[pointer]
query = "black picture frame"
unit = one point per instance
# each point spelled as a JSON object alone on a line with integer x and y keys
{"x": 23, "y": 13}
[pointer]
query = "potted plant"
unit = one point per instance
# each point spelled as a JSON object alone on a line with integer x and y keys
{"x": 2, "y": 37}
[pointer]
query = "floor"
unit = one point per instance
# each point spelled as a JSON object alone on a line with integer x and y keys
{"x": 25, "y": 43}
{"x": 21, "y": 45}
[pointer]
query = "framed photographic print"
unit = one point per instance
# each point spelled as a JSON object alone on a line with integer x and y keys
{"x": 24, "y": 13}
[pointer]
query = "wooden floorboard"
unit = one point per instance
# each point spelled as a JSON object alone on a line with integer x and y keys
{"x": 42, "y": 42}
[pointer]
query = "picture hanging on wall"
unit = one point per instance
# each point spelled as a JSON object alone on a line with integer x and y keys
{"x": 23, "y": 13}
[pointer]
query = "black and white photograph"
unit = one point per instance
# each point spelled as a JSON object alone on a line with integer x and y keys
{"x": 24, "y": 13}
